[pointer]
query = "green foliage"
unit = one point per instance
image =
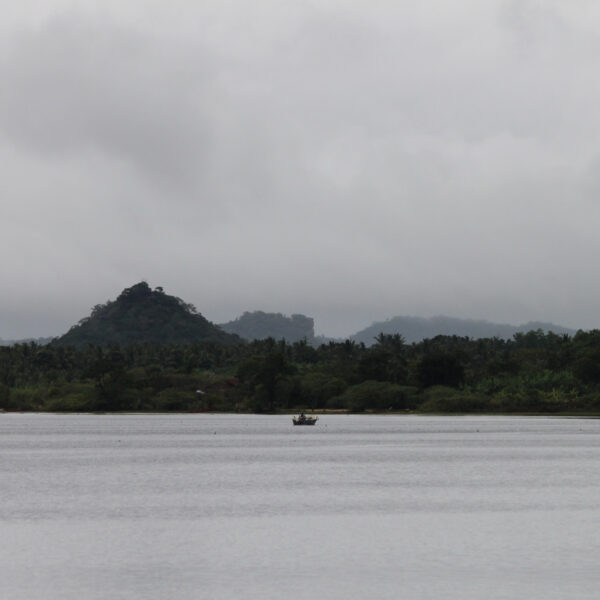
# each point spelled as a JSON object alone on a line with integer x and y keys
{"x": 174, "y": 399}
{"x": 25, "y": 398}
{"x": 442, "y": 399}
{"x": 532, "y": 373}
{"x": 265, "y": 376}
{"x": 315, "y": 389}
{"x": 385, "y": 361}
{"x": 440, "y": 368}
{"x": 72, "y": 397}
{"x": 375, "y": 395}
{"x": 4, "y": 396}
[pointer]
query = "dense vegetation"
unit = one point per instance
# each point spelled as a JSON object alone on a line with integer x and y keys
{"x": 142, "y": 315}
{"x": 535, "y": 372}
{"x": 259, "y": 325}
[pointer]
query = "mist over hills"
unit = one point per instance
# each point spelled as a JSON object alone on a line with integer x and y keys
{"x": 142, "y": 315}
{"x": 41, "y": 341}
{"x": 415, "y": 329}
{"x": 259, "y": 325}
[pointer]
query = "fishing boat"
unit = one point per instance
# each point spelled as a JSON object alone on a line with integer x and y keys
{"x": 302, "y": 419}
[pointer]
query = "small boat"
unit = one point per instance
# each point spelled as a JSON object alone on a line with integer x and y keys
{"x": 302, "y": 419}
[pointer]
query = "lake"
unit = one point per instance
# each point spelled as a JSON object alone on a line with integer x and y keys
{"x": 246, "y": 506}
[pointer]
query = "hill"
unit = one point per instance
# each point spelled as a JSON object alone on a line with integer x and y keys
{"x": 142, "y": 315}
{"x": 259, "y": 325}
{"x": 415, "y": 329}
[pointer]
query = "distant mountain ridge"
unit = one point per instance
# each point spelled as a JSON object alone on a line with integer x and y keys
{"x": 41, "y": 341}
{"x": 259, "y": 325}
{"x": 415, "y": 329}
{"x": 142, "y": 315}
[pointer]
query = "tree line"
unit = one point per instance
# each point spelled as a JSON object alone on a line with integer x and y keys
{"x": 533, "y": 372}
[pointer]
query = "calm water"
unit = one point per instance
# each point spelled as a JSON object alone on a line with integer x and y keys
{"x": 233, "y": 507}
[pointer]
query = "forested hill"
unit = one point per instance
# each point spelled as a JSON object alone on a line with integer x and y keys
{"x": 142, "y": 315}
{"x": 415, "y": 329}
{"x": 259, "y": 325}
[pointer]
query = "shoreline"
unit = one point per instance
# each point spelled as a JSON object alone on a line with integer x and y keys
{"x": 324, "y": 412}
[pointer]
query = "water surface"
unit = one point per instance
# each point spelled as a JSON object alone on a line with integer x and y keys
{"x": 234, "y": 507}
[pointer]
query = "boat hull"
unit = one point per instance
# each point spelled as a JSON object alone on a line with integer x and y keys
{"x": 304, "y": 421}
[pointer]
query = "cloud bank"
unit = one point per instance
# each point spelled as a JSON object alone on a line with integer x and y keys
{"x": 345, "y": 161}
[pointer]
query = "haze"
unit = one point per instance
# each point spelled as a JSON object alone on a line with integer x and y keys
{"x": 339, "y": 159}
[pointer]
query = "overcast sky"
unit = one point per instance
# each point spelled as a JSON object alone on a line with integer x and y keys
{"x": 351, "y": 161}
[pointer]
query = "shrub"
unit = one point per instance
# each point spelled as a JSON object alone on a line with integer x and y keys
{"x": 374, "y": 395}
{"x": 175, "y": 399}
{"x": 441, "y": 399}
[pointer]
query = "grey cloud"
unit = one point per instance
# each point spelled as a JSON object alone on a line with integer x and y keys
{"x": 346, "y": 161}
{"x": 77, "y": 85}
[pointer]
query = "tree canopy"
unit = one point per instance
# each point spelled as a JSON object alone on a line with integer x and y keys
{"x": 534, "y": 372}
